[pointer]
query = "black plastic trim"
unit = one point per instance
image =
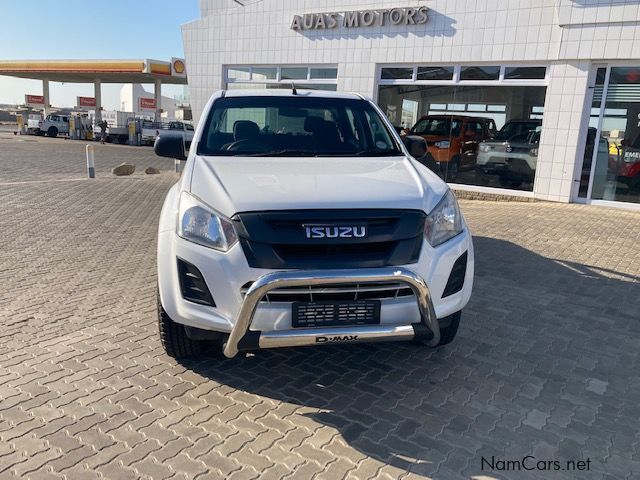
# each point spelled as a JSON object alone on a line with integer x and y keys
{"x": 192, "y": 284}
{"x": 456, "y": 277}
{"x": 202, "y": 335}
{"x": 421, "y": 332}
{"x": 250, "y": 341}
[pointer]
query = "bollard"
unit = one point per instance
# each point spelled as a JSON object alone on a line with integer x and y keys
{"x": 176, "y": 163}
{"x": 91, "y": 168}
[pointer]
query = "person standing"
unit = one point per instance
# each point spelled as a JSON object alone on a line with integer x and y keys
{"x": 103, "y": 131}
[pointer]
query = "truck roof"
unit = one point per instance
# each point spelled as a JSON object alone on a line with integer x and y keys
{"x": 454, "y": 116}
{"x": 288, "y": 92}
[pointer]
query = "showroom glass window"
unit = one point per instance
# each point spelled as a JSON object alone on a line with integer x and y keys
{"x": 612, "y": 171}
{"x": 397, "y": 73}
{"x": 482, "y": 123}
{"x": 480, "y": 73}
{"x": 435, "y": 73}
{"x": 267, "y": 77}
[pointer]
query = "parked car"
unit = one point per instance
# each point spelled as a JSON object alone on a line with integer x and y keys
{"x": 151, "y": 130}
{"x": 117, "y": 126}
{"x": 492, "y": 154}
{"x": 453, "y": 140}
{"x": 55, "y": 124}
{"x": 300, "y": 219}
{"x": 520, "y": 159}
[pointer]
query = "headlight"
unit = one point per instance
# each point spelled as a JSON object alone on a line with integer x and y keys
{"x": 508, "y": 148}
{"x": 484, "y": 148}
{"x": 201, "y": 224}
{"x": 534, "y": 152}
{"x": 443, "y": 144}
{"x": 444, "y": 222}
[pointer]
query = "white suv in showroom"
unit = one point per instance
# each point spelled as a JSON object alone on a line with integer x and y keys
{"x": 301, "y": 218}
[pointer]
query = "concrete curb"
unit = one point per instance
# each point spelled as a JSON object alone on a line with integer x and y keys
{"x": 494, "y": 197}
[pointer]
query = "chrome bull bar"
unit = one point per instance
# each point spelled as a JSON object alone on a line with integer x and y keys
{"x": 242, "y": 338}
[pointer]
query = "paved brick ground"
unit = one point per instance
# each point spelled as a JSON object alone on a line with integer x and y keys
{"x": 546, "y": 363}
{"x": 30, "y": 158}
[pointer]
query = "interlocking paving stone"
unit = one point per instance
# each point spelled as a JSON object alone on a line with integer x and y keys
{"x": 546, "y": 361}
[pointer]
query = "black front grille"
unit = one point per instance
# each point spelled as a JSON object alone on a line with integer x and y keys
{"x": 192, "y": 284}
{"x": 277, "y": 240}
{"x": 334, "y": 293}
{"x": 456, "y": 278}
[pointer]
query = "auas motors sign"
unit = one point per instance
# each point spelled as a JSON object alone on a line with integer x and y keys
{"x": 362, "y": 18}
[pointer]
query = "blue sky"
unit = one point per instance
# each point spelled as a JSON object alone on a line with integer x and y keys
{"x": 74, "y": 29}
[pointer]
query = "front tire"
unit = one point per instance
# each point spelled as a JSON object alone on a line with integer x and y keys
{"x": 52, "y": 132}
{"x": 173, "y": 337}
{"x": 448, "y": 332}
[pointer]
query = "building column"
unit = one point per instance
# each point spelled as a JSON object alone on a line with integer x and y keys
{"x": 45, "y": 94}
{"x": 564, "y": 129}
{"x": 97, "y": 93}
{"x": 157, "y": 91}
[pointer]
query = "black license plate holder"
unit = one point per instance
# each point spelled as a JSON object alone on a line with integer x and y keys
{"x": 332, "y": 313}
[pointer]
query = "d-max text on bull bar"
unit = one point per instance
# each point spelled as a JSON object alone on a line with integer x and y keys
{"x": 301, "y": 218}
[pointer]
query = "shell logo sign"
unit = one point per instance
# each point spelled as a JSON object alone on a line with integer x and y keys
{"x": 178, "y": 67}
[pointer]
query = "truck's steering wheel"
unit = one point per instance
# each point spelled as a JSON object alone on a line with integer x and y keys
{"x": 246, "y": 144}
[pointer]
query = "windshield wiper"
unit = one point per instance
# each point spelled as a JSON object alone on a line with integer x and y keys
{"x": 375, "y": 153}
{"x": 285, "y": 153}
{"x": 311, "y": 153}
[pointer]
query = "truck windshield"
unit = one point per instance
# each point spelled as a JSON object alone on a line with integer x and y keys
{"x": 299, "y": 126}
{"x": 437, "y": 126}
{"x": 511, "y": 129}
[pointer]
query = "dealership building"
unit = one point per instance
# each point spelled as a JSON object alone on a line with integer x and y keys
{"x": 536, "y": 99}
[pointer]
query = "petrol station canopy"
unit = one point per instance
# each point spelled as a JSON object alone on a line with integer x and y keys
{"x": 105, "y": 71}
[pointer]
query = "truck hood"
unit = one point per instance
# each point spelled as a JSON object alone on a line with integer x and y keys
{"x": 243, "y": 184}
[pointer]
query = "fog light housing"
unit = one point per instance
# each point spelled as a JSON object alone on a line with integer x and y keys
{"x": 192, "y": 285}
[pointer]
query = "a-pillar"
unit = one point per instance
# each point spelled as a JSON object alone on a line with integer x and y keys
{"x": 157, "y": 91}
{"x": 45, "y": 94}
{"x": 97, "y": 93}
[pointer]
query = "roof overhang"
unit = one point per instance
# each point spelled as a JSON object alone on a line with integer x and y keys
{"x": 88, "y": 71}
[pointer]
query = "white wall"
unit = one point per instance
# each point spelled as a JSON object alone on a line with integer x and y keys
{"x": 457, "y": 31}
{"x": 566, "y": 34}
{"x": 129, "y": 101}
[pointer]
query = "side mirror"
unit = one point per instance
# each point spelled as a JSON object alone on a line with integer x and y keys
{"x": 416, "y": 145}
{"x": 171, "y": 146}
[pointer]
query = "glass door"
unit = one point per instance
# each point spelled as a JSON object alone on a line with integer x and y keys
{"x": 612, "y": 163}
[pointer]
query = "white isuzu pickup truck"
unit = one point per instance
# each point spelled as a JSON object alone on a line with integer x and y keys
{"x": 301, "y": 218}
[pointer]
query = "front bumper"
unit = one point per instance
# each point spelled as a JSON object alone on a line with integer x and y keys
{"x": 242, "y": 338}
{"x": 440, "y": 155}
{"x": 227, "y": 273}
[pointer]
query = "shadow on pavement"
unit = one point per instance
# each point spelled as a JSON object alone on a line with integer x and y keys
{"x": 534, "y": 336}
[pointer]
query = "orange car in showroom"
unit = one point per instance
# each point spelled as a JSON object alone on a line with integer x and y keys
{"x": 453, "y": 140}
